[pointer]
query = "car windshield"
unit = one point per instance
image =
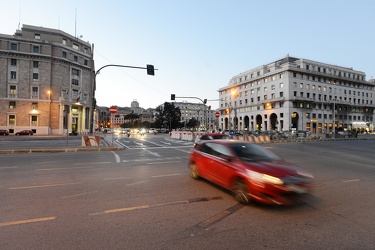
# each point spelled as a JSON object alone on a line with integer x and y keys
{"x": 251, "y": 152}
{"x": 219, "y": 136}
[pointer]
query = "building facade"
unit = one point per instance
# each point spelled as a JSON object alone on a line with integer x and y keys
{"x": 46, "y": 81}
{"x": 200, "y": 112}
{"x": 298, "y": 94}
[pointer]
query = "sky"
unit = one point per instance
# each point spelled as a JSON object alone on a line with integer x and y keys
{"x": 197, "y": 46}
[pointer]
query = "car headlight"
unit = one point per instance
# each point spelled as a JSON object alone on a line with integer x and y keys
{"x": 264, "y": 178}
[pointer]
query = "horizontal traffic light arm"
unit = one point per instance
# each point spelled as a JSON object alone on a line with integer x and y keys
{"x": 173, "y": 97}
{"x": 150, "y": 68}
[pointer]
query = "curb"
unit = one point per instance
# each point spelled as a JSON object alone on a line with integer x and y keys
{"x": 58, "y": 150}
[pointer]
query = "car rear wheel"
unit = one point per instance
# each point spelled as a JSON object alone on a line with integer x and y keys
{"x": 194, "y": 173}
{"x": 240, "y": 192}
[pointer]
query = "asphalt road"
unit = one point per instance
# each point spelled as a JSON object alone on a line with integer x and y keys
{"x": 143, "y": 198}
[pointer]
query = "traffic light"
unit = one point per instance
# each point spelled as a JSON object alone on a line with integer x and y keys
{"x": 173, "y": 97}
{"x": 150, "y": 70}
{"x": 204, "y": 101}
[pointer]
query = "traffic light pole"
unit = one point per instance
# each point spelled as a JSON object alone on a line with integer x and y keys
{"x": 150, "y": 71}
{"x": 173, "y": 97}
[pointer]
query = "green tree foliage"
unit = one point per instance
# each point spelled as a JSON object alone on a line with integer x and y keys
{"x": 167, "y": 115}
{"x": 193, "y": 123}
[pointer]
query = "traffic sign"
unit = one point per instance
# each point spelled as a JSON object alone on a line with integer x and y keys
{"x": 113, "y": 110}
{"x": 217, "y": 114}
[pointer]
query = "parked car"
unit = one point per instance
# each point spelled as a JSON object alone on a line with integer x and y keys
{"x": 250, "y": 171}
{"x": 4, "y": 132}
{"x": 73, "y": 133}
{"x": 25, "y": 132}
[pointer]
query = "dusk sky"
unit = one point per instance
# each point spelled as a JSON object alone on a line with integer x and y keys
{"x": 197, "y": 45}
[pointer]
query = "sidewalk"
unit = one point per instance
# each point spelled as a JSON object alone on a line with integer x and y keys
{"x": 74, "y": 144}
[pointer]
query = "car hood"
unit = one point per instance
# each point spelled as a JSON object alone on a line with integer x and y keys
{"x": 275, "y": 168}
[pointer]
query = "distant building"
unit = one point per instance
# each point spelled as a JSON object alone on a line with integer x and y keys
{"x": 46, "y": 81}
{"x": 199, "y": 111}
{"x": 297, "y": 94}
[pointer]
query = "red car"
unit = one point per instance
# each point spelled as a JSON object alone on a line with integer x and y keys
{"x": 250, "y": 171}
{"x": 25, "y": 132}
{"x": 4, "y": 132}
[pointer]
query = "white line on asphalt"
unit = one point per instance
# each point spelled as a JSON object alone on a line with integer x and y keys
{"x": 136, "y": 183}
{"x": 165, "y": 175}
{"x": 153, "y": 153}
{"x": 117, "y": 178}
{"x": 165, "y": 162}
{"x": 8, "y": 167}
{"x": 47, "y": 185}
{"x": 117, "y": 157}
{"x": 77, "y": 195}
{"x": 54, "y": 169}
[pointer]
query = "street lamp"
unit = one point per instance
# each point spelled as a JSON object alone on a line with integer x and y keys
{"x": 234, "y": 94}
{"x": 334, "y": 117}
{"x": 49, "y": 111}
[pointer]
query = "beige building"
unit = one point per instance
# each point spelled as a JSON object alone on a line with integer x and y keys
{"x": 298, "y": 94}
{"x": 199, "y": 111}
{"x": 46, "y": 81}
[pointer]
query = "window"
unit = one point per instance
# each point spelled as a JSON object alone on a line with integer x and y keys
{"x": 85, "y": 62}
{"x": 13, "y": 75}
{"x": 281, "y": 94}
{"x": 64, "y": 41}
{"x": 265, "y": 89}
{"x": 34, "y": 120}
{"x": 12, "y": 105}
{"x": 301, "y": 85}
{"x": 281, "y": 104}
{"x": 273, "y": 87}
{"x": 75, "y": 72}
{"x": 64, "y": 54}
{"x": 13, "y": 90}
{"x": 36, "y": 49}
{"x": 35, "y": 92}
{"x": 35, "y": 76}
{"x": 75, "y": 82}
{"x": 13, "y": 62}
{"x": 13, "y": 46}
{"x": 75, "y": 46}
{"x": 281, "y": 85}
{"x": 75, "y": 58}
{"x": 35, "y": 64}
{"x": 37, "y": 36}
{"x": 12, "y": 120}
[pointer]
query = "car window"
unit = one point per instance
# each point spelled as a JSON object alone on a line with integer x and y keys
{"x": 251, "y": 152}
{"x": 220, "y": 150}
{"x": 206, "y": 148}
{"x": 221, "y": 137}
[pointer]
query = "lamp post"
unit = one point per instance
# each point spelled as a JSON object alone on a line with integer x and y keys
{"x": 234, "y": 94}
{"x": 334, "y": 117}
{"x": 49, "y": 111}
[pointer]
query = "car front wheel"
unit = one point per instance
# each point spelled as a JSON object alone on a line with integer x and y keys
{"x": 240, "y": 192}
{"x": 194, "y": 171}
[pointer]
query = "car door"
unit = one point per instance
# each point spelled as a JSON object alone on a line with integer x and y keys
{"x": 221, "y": 164}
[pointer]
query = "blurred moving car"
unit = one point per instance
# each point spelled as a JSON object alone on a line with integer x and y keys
{"x": 212, "y": 136}
{"x": 25, "y": 132}
{"x": 4, "y": 132}
{"x": 251, "y": 172}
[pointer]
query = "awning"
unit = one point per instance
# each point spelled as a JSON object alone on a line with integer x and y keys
{"x": 359, "y": 125}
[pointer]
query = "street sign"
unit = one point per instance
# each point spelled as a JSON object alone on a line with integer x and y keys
{"x": 217, "y": 114}
{"x": 113, "y": 110}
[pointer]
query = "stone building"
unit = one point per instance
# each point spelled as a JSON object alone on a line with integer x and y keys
{"x": 46, "y": 81}
{"x": 298, "y": 94}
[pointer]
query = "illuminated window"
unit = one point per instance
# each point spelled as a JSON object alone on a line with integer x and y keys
{"x": 12, "y": 105}
{"x": 34, "y": 120}
{"x": 12, "y": 120}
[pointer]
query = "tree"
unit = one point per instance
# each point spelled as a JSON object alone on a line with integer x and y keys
{"x": 167, "y": 116}
{"x": 133, "y": 118}
{"x": 192, "y": 123}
